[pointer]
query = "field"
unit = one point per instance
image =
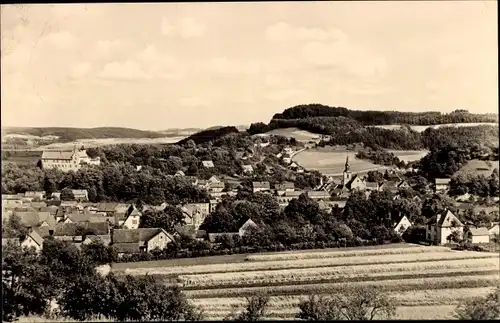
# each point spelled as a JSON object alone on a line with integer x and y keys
{"x": 423, "y": 128}
{"x": 113, "y": 141}
{"x": 424, "y": 282}
{"x": 409, "y": 155}
{"x": 299, "y": 135}
{"x": 480, "y": 167}
{"x": 332, "y": 162}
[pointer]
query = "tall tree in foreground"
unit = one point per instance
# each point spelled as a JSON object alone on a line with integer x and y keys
{"x": 485, "y": 308}
{"x": 360, "y": 303}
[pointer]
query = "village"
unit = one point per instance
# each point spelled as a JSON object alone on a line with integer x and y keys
{"x": 70, "y": 216}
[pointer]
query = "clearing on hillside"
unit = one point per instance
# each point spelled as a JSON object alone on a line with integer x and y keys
{"x": 332, "y": 162}
{"x": 299, "y": 135}
{"x": 409, "y": 155}
{"x": 479, "y": 167}
{"x": 423, "y": 128}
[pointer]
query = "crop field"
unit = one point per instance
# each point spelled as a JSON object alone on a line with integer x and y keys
{"x": 424, "y": 282}
{"x": 332, "y": 162}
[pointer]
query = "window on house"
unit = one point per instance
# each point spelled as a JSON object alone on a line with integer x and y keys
{"x": 134, "y": 221}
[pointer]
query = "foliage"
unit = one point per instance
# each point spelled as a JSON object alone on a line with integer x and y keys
{"x": 360, "y": 303}
{"x": 166, "y": 219}
{"x": 379, "y": 156}
{"x": 484, "y": 308}
{"x": 208, "y": 135}
{"x": 255, "y": 309}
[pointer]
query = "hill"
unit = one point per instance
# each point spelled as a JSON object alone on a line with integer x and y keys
{"x": 70, "y": 134}
{"x": 209, "y": 135}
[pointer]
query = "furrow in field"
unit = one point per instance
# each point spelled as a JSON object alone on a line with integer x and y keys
{"x": 309, "y": 263}
{"x": 409, "y": 298}
{"x": 350, "y": 253}
{"x": 383, "y": 285}
{"x": 329, "y": 273}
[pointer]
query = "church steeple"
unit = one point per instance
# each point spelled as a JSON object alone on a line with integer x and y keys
{"x": 346, "y": 164}
{"x": 347, "y": 173}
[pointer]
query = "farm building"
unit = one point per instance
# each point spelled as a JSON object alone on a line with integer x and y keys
{"x": 319, "y": 195}
{"x": 477, "y": 235}
{"x": 284, "y": 187}
{"x": 67, "y": 160}
{"x": 81, "y": 195}
{"x": 139, "y": 240}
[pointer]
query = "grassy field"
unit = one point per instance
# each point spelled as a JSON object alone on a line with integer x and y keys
{"x": 409, "y": 155}
{"x": 299, "y": 135}
{"x": 423, "y": 128}
{"x": 332, "y": 162}
{"x": 480, "y": 167}
{"x": 425, "y": 282}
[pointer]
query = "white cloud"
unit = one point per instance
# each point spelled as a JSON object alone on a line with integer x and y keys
{"x": 62, "y": 40}
{"x": 185, "y": 28}
{"x": 128, "y": 70}
{"x": 226, "y": 66}
{"x": 284, "y": 32}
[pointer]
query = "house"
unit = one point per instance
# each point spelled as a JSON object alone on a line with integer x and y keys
{"x": 29, "y": 218}
{"x": 442, "y": 184}
{"x": 247, "y": 169}
{"x": 139, "y": 240}
{"x": 66, "y": 160}
{"x": 74, "y": 232}
{"x": 204, "y": 208}
{"x": 494, "y": 229}
{"x": 81, "y": 195}
{"x": 402, "y": 225}
{"x": 32, "y": 240}
{"x": 391, "y": 186}
{"x": 215, "y": 187}
{"x": 284, "y": 187}
{"x": 356, "y": 184}
{"x": 91, "y": 238}
{"x": 287, "y": 158}
{"x": 208, "y": 164}
{"x": 132, "y": 218}
{"x": 56, "y": 195}
{"x": 179, "y": 173}
{"x": 288, "y": 150}
{"x": 465, "y": 198}
{"x": 442, "y": 226}
{"x": 260, "y": 186}
{"x": 371, "y": 186}
{"x": 477, "y": 235}
{"x": 284, "y": 199}
{"x": 245, "y": 225}
{"x": 35, "y": 195}
{"x": 337, "y": 204}
{"x": 213, "y": 204}
{"x": 192, "y": 216}
{"x": 318, "y": 195}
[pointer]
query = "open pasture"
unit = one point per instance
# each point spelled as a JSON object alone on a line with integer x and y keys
{"x": 423, "y": 128}
{"x": 424, "y": 282}
{"x": 299, "y": 135}
{"x": 409, "y": 155}
{"x": 332, "y": 162}
{"x": 479, "y": 167}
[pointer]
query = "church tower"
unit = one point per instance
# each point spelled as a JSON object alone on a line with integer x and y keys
{"x": 347, "y": 172}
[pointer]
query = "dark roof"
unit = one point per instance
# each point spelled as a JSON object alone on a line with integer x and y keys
{"x": 56, "y": 154}
{"x": 284, "y": 185}
{"x": 36, "y": 237}
{"x": 54, "y": 203}
{"x": 71, "y": 229}
{"x": 260, "y": 184}
{"x": 134, "y": 235}
{"x": 131, "y": 247}
{"x": 28, "y": 219}
{"x": 479, "y": 231}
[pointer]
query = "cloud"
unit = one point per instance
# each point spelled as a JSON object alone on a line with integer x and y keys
{"x": 184, "y": 28}
{"x": 62, "y": 40}
{"x": 227, "y": 66}
{"x": 128, "y": 70}
{"x": 284, "y": 32}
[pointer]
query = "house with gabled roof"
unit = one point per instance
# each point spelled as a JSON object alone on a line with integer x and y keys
{"x": 443, "y": 225}
{"x": 478, "y": 235}
{"x": 260, "y": 186}
{"x": 35, "y": 194}
{"x": 81, "y": 195}
{"x": 371, "y": 186}
{"x": 494, "y": 229}
{"x": 179, "y": 173}
{"x": 247, "y": 169}
{"x": 319, "y": 195}
{"x": 140, "y": 240}
{"x": 244, "y": 225}
{"x": 32, "y": 240}
{"x": 402, "y": 225}
{"x": 281, "y": 188}
{"x": 208, "y": 164}
{"x": 132, "y": 218}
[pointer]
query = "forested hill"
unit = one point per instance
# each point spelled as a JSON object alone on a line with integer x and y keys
{"x": 210, "y": 134}
{"x": 384, "y": 117}
{"x": 70, "y": 134}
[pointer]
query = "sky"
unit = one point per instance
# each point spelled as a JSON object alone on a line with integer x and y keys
{"x": 179, "y": 65}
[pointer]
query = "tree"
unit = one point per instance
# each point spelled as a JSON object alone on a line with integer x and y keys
{"x": 360, "y": 303}
{"x": 484, "y": 308}
{"x": 255, "y": 309}
{"x": 166, "y": 219}
{"x": 67, "y": 194}
{"x": 26, "y": 283}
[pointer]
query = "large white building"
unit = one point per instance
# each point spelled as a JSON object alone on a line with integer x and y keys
{"x": 67, "y": 160}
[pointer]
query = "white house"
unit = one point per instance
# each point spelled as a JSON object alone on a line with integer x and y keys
{"x": 140, "y": 240}
{"x": 33, "y": 239}
{"x": 245, "y": 226}
{"x": 81, "y": 195}
{"x": 260, "y": 186}
{"x": 402, "y": 225}
{"x": 66, "y": 160}
{"x": 477, "y": 235}
{"x": 284, "y": 187}
{"x": 132, "y": 218}
{"x": 494, "y": 229}
{"x": 248, "y": 169}
{"x": 440, "y": 227}
{"x": 208, "y": 163}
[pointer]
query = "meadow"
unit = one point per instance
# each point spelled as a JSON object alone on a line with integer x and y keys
{"x": 479, "y": 167}
{"x": 299, "y": 135}
{"x": 423, "y": 128}
{"x": 424, "y": 282}
{"x": 329, "y": 161}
